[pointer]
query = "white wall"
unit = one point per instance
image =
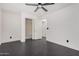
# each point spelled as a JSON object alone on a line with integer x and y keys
{"x": 22, "y": 27}
{"x": 38, "y": 28}
{"x": 0, "y": 25}
{"x": 64, "y": 25}
{"x": 11, "y": 26}
{"x": 44, "y": 27}
{"x": 13, "y": 23}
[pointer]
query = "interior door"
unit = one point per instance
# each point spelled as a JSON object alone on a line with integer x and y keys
{"x": 28, "y": 28}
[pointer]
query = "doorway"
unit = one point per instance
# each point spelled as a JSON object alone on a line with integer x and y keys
{"x": 44, "y": 28}
{"x": 28, "y": 28}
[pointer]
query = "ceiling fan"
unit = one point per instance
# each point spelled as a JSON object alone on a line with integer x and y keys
{"x": 39, "y": 5}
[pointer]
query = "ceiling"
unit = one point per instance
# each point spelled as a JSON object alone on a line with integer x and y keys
{"x": 30, "y": 9}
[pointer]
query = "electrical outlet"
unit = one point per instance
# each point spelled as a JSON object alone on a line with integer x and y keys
{"x": 67, "y": 41}
{"x": 10, "y": 37}
{"x": 47, "y": 28}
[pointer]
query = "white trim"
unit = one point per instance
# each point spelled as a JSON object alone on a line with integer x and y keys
{"x": 63, "y": 45}
{"x": 22, "y": 41}
{"x": 0, "y": 43}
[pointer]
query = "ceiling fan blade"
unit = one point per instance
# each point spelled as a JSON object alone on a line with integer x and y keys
{"x": 44, "y": 9}
{"x": 30, "y": 4}
{"x": 48, "y": 4}
{"x": 36, "y": 9}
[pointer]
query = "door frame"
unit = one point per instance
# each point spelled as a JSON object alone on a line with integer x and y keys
{"x": 25, "y": 27}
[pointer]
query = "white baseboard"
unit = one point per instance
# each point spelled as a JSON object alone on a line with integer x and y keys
{"x": 0, "y": 43}
{"x": 22, "y": 40}
{"x": 64, "y": 45}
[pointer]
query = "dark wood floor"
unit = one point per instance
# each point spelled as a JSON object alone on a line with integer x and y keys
{"x": 35, "y": 48}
